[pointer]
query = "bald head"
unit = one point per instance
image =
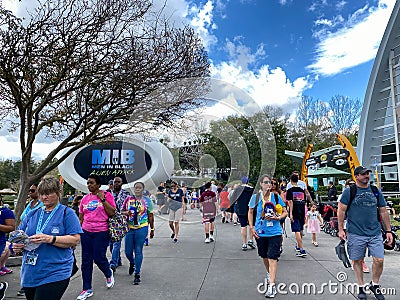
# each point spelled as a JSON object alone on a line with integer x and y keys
{"x": 117, "y": 184}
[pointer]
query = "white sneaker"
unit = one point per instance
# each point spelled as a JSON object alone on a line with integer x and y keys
{"x": 244, "y": 247}
{"x": 212, "y": 238}
{"x": 110, "y": 281}
{"x": 207, "y": 240}
{"x": 85, "y": 294}
{"x": 271, "y": 291}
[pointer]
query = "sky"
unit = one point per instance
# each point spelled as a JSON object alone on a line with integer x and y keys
{"x": 275, "y": 50}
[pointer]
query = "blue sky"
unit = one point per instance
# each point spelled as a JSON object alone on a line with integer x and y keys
{"x": 280, "y": 50}
{"x": 276, "y": 50}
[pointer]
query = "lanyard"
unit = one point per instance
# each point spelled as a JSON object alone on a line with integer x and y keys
{"x": 39, "y": 227}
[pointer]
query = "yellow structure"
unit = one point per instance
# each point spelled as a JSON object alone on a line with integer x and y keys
{"x": 304, "y": 169}
{"x": 352, "y": 158}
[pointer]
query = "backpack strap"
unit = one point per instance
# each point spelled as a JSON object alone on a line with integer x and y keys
{"x": 353, "y": 192}
{"x": 276, "y": 199}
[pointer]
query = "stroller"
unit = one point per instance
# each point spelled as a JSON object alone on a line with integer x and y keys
{"x": 329, "y": 216}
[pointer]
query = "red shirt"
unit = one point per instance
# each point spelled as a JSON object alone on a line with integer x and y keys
{"x": 223, "y": 196}
{"x": 208, "y": 198}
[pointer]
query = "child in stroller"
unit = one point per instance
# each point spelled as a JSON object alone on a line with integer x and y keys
{"x": 329, "y": 216}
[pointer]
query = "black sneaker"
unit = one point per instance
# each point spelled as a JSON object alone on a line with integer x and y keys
{"x": 361, "y": 293}
{"x": 3, "y": 288}
{"x": 136, "y": 281}
{"x": 251, "y": 244}
{"x": 223, "y": 219}
{"x": 376, "y": 289}
{"x": 131, "y": 269}
{"x": 172, "y": 235}
{"x": 21, "y": 292}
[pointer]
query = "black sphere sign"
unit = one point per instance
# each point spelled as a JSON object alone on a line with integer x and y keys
{"x": 108, "y": 160}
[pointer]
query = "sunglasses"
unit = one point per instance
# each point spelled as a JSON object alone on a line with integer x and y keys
{"x": 267, "y": 182}
{"x": 32, "y": 191}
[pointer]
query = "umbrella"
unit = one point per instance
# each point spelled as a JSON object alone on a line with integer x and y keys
{"x": 8, "y": 191}
{"x": 326, "y": 171}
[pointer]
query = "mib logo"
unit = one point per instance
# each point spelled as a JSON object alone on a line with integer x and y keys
{"x": 113, "y": 157}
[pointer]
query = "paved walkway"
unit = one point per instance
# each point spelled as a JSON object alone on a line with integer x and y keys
{"x": 192, "y": 269}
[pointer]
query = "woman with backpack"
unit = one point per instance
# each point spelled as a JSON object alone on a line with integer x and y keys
{"x": 266, "y": 209}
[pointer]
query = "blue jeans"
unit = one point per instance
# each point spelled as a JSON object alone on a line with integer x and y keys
{"x": 94, "y": 248}
{"x": 134, "y": 242}
{"x": 115, "y": 248}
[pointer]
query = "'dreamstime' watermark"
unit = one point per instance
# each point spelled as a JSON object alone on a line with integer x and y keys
{"x": 330, "y": 287}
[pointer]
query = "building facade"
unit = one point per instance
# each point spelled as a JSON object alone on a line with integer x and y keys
{"x": 378, "y": 138}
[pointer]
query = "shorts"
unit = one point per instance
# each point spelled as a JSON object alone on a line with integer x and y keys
{"x": 175, "y": 216}
{"x": 244, "y": 221}
{"x": 208, "y": 220}
{"x": 161, "y": 201}
{"x": 269, "y": 247}
{"x": 297, "y": 225}
{"x": 230, "y": 209}
{"x": 358, "y": 244}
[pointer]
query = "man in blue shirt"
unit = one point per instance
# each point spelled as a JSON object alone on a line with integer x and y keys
{"x": 267, "y": 229}
{"x": 364, "y": 229}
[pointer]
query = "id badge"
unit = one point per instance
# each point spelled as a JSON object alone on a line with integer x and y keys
{"x": 31, "y": 258}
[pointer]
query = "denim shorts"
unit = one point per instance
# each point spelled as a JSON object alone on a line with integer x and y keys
{"x": 297, "y": 225}
{"x": 358, "y": 244}
{"x": 244, "y": 221}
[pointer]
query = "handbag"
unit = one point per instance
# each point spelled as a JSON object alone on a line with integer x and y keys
{"x": 117, "y": 227}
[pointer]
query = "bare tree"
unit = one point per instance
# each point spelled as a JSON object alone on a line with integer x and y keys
{"x": 81, "y": 71}
{"x": 344, "y": 113}
{"x": 311, "y": 123}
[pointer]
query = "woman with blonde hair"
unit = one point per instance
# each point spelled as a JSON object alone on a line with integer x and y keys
{"x": 48, "y": 257}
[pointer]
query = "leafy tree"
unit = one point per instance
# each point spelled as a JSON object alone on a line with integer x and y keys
{"x": 280, "y": 128}
{"x": 10, "y": 172}
{"x": 82, "y": 71}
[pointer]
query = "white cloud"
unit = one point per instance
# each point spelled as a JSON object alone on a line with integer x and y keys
{"x": 241, "y": 55}
{"x": 202, "y": 21}
{"x": 12, "y": 150}
{"x": 340, "y": 5}
{"x": 265, "y": 85}
{"x": 355, "y": 43}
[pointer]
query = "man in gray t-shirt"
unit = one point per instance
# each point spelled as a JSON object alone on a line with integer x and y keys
{"x": 364, "y": 229}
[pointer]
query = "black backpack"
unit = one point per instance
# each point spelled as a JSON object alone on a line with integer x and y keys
{"x": 258, "y": 200}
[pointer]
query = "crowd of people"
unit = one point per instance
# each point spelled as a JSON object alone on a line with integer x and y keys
{"x": 54, "y": 230}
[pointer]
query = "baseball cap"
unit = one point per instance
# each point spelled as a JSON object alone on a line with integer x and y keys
{"x": 245, "y": 179}
{"x": 111, "y": 182}
{"x": 361, "y": 170}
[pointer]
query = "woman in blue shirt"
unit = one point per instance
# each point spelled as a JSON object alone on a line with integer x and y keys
{"x": 47, "y": 258}
{"x": 267, "y": 229}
